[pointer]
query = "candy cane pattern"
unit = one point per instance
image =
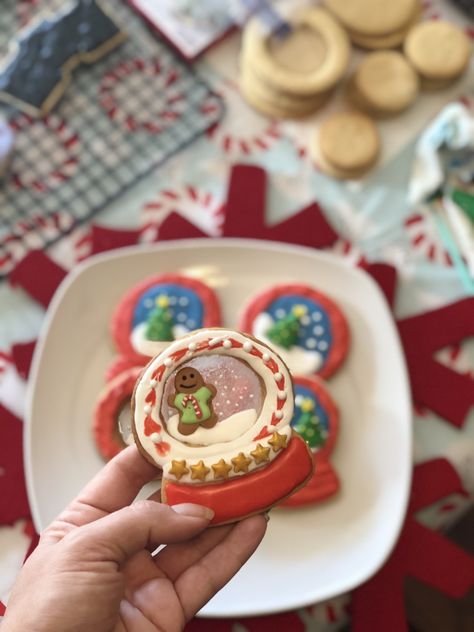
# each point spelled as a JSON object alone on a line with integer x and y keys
{"x": 190, "y": 399}
{"x": 424, "y": 239}
{"x": 243, "y": 132}
{"x": 116, "y": 90}
{"x": 201, "y": 208}
{"x": 56, "y": 163}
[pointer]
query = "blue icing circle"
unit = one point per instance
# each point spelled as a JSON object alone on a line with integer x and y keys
{"x": 319, "y": 411}
{"x": 314, "y": 336}
{"x": 185, "y": 306}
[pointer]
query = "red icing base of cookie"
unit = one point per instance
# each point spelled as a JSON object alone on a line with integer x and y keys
{"x": 323, "y": 484}
{"x": 251, "y": 493}
{"x": 107, "y": 410}
{"x": 119, "y": 365}
{"x": 340, "y": 329}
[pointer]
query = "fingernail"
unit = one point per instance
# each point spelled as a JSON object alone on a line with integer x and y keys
{"x": 193, "y": 511}
{"x": 267, "y": 517}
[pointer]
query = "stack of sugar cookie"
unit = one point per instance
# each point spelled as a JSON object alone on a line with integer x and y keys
{"x": 376, "y": 24}
{"x": 346, "y": 145}
{"x": 292, "y": 76}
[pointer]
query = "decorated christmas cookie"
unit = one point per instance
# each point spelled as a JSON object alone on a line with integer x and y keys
{"x": 157, "y": 311}
{"x": 112, "y": 417}
{"x": 303, "y": 325}
{"x": 316, "y": 419}
{"x": 214, "y": 410}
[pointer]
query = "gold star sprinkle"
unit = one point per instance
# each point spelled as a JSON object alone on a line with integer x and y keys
{"x": 221, "y": 469}
{"x": 307, "y": 405}
{"x": 162, "y": 301}
{"x": 299, "y": 310}
{"x": 278, "y": 441}
{"x": 241, "y": 463}
{"x": 199, "y": 471}
{"x": 178, "y": 469}
{"x": 261, "y": 454}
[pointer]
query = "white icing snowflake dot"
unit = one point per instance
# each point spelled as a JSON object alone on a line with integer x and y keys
{"x": 181, "y": 317}
{"x": 148, "y": 302}
{"x": 305, "y": 320}
{"x": 323, "y": 345}
{"x": 172, "y": 300}
{"x": 311, "y": 343}
{"x": 280, "y": 313}
{"x": 318, "y": 330}
{"x": 316, "y": 316}
{"x": 183, "y": 301}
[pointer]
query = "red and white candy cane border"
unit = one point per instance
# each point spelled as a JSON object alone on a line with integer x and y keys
{"x": 121, "y": 323}
{"x": 275, "y": 415}
{"x": 340, "y": 329}
{"x": 151, "y": 67}
{"x": 67, "y": 137}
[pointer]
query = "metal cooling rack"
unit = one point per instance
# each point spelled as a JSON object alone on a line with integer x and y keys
{"x": 119, "y": 119}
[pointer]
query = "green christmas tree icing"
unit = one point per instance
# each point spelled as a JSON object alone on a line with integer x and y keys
{"x": 284, "y": 332}
{"x": 159, "y": 325}
{"x": 309, "y": 425}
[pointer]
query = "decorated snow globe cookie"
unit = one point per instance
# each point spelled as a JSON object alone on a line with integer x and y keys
{"x": 214, "y": 410}
{"x": 157, "y": 311}
{"x": 316, "y": 420}
{"x": 305, "y": 327}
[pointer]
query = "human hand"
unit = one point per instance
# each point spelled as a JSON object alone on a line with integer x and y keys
{"x": 93, "y": 569}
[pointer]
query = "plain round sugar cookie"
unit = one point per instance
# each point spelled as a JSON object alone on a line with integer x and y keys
{"x": 373, "y": 17}
{"x": 335, "y": 172}
{"x": 386, "y": 82}
{"x": 306, "y": 328}
{"x": 316, "y": 419}
{"x": 349, "y": 141}
{"x": 214, "y": 411}
{"x": 281, "y": 64}
{"x": 158, "y": 310}
{"x": 112, "y": 423}
{"x": 438, "y": 50}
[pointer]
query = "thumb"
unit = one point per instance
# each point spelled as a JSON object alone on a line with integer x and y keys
{"x": 121, "y": 534}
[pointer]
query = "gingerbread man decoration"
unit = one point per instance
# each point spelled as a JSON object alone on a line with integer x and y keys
{"x": 193, "y": 400}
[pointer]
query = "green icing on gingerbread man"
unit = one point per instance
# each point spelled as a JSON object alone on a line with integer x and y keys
{"x": 193, "y": 401}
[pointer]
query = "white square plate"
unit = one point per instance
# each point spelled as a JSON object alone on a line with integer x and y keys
{"x": 307, "y": 555}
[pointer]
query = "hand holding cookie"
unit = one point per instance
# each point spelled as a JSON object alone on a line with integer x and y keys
{"x": 102, "y": 537}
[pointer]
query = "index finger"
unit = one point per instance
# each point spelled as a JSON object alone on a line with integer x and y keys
{"x": 114, "y": 487}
